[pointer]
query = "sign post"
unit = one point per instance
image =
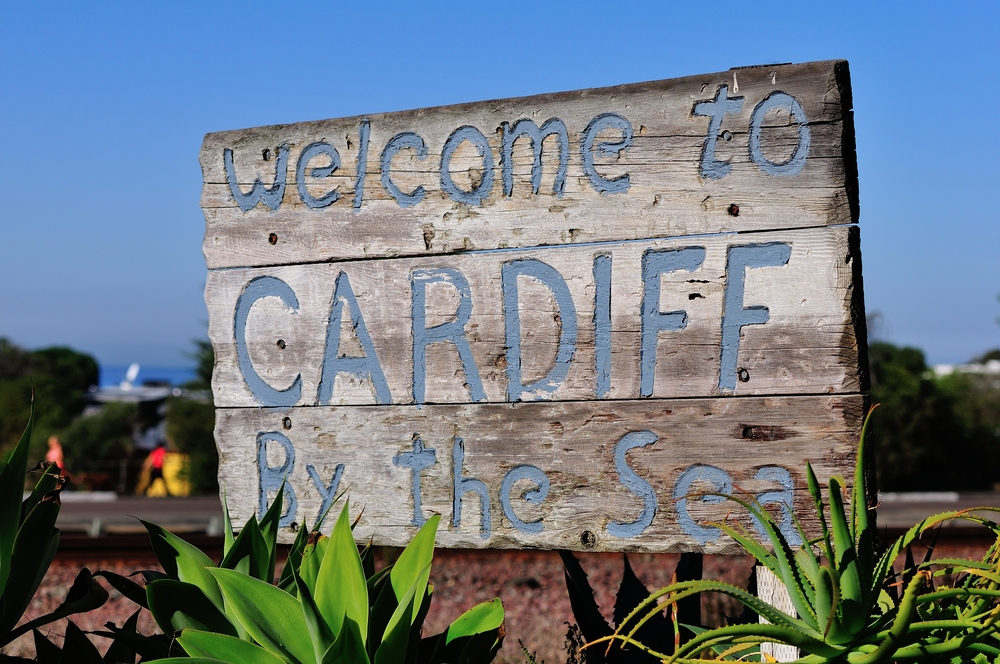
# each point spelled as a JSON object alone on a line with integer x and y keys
{"x": 555, "y": 320}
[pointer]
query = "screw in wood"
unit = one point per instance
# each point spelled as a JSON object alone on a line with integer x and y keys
{"x": 281, "y": 344}
{"x": 734, "y": 210}
{"x": 272, "y": 238}
{"x": 744, "y": 376}
{"x": 287, "y": 423}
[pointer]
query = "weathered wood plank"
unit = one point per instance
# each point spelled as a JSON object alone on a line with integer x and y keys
{"x": 659, "y": 297}
{"x": 669, "y": 193}
{"x": 695, "y": 445}
{"x": 809, "y": 343}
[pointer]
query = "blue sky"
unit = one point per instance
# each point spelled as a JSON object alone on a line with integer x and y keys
{"x": 104, "y": 107}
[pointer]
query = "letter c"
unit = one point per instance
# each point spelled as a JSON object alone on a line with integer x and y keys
{"x": 256, "y": 289}
{"x": 405, "y": 140}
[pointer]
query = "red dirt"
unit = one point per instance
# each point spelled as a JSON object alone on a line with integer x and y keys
{"x": 531, "y": 584}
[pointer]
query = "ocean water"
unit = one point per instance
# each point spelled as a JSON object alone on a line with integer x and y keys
{"x": 175, "y": 375}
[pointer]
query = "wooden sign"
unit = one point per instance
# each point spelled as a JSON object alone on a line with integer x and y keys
{"x": 559, "y": 321}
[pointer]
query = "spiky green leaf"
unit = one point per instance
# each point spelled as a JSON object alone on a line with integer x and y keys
{"x": 341, "y": 592}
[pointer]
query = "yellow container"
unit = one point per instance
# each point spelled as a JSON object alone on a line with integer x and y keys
{"x": 175, "y": 478}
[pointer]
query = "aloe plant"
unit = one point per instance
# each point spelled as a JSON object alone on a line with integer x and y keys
{"x": 846, "y": 605}
{"x": 28, "y": 542}
{"x": 328, "y": 605}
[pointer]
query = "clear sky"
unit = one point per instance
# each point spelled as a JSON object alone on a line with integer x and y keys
{"x": 104, "y": 106}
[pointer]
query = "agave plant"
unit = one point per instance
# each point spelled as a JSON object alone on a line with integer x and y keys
{"x": 846, "y": 605}
{"x": 28, "y": 542}
{"x": 329, "y": 604}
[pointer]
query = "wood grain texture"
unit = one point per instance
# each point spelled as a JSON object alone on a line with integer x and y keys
{"x": 572, "y": 443}
{"x": 613, "y": 440}
{"x": 809, "y": 345}
{"x": 667, "y": 196}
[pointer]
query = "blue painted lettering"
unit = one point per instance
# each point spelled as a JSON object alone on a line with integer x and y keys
{"x": 256, "y": 289}
{"x": 271, "y": 196}
{"x": 602, "y": 324}
{"x": 734, "y": 315}
{"x": 655, "y": 263}
{"x": 713, "y": 168}
{"x": 794, "y": 163}
{"x": 272, "y": 477}
{"x": 534, "y": 497}
{"x": 311, "y": 151}
{"x": 366, "y": 366}
{"x": 784, "y": 498}
{"x": 453, "y": 330}
{"x": 710, "y": 480}
{"x": 405, "y": 140}
{"x": 635, "y": 484}
{"x": 327, "y": 492}
{"x": 551, "y": 279}
{"x": 603, "y": 185}
{"x": 527, "y": 127}
{"x": 364, "y": 131}
{"x": 478, "y": 140}
{"x": 417, "y": 460}
{"x": 463, "y": 485}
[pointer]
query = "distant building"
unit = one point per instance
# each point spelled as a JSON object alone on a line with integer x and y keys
{"x": 151, "y": 399}
{"x": 990, "y": 368}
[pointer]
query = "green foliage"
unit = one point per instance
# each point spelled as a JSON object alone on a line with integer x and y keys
{"x": 847, "y": 608}
{"x": 204, "y": 357}
{"x": 928, "y": 429}
{"x": 58, "y": 380}
{"x": 328, "y": 605}
{"x": 28, "y": 543}
{"x": 106, "y": 434}
{"x": 976, "y": 399}
{"x": 190, "y": 427}
{"x": 993, "y": 354}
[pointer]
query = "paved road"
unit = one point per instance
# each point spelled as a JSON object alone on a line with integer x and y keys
{"x": 203, "y": 514}
{"x": 119, "y": 516}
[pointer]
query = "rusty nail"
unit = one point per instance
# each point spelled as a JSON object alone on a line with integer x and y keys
{"x": 734, "y": 211}
{"x": 272, "y": 238}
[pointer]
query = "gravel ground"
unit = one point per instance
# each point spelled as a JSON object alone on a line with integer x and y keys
{"x": 531, "y": 584}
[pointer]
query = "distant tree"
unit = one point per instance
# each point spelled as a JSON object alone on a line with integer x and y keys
{"x": 191, "y": 424}
{"x": 204, "y": 357}
{"x": 105, "y": 435}
{"x": 927, "y": 431}
{"x": 190, "y": 429}
{"x": 60, "y": 379}
{"x": 987, "y": 356}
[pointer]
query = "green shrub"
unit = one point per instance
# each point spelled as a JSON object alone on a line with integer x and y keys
{"x": 28, "y": 543}
{"x": 56, "y": 380}
{"x": 105, "y": 435}
{"x": 329, "y": 604}
{"x": 926, "y": 428}
{"x": 190, "y": 428}
{"x": 850, "y": 605}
